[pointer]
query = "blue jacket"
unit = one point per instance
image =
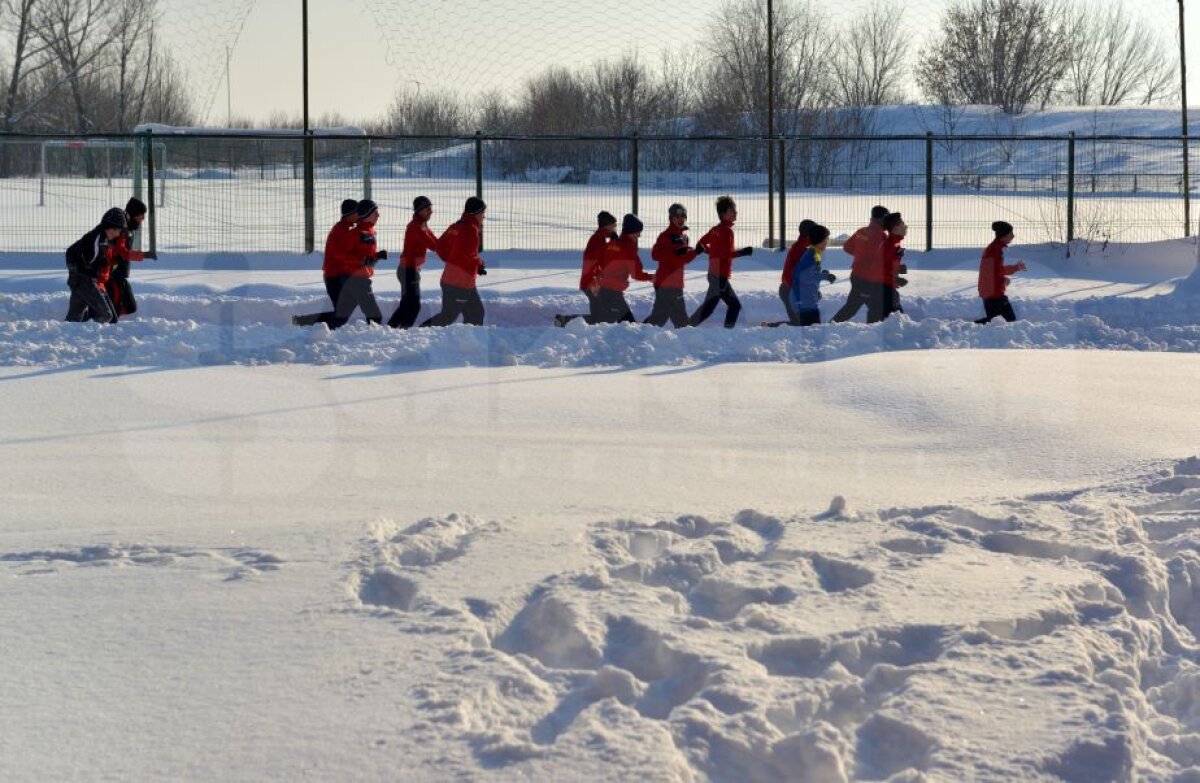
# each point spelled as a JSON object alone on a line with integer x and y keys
{"x": 805, "y": 280}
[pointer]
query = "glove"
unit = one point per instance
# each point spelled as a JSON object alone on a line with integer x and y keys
{"x": 829, "y": 277}
{"x": 903, "y": 269}
{"x": 381, "y": 255}
{"x": 901, "y": 282}
{"x": 899, "y": 252}
{"x": 745, "y": 251}
{"x": 701, "y": 250}
{"x": 682, "y": 251}
{"x": 482, "y": 269}
{"x": 370, "y": 261}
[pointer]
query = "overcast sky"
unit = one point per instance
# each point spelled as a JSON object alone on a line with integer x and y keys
{"x": 362, "y": 52}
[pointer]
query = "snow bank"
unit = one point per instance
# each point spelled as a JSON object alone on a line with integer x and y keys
{"x": 846, "y": 645}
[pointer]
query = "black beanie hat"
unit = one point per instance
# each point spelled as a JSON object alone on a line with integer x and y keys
{"x": 135, "y": 207}
{"x": 349, "y": 207}
{"x": 1002, "y": 228}
{"x": 892, "y": 220}
{"x": 365, "y": 208}
{"x": 879, "y": 212}
{"x": 806, "y": 225}
{"x": 606, "y": 219}
{"x": 114, "y": 218}
{"x": 817, "y": 234}
{"x": 677, "y": 209}
{"x": 631, "y": 225}
{"x": 421, "y": 202}
{"x": 474, "y": 206}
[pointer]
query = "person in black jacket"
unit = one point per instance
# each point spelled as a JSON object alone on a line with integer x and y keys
{"x": 88, "y": 262}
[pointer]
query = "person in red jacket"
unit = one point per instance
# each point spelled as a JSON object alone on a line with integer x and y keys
{"x": 993, "y": 275}
{"x": 621, "y": 262}
{"x": 418, "y": 240}
{"x": 593, "y": 257}
{"x": 672, "y": 251}
{"x": 890, "y": 268}
{"x": 866, "y": 284}
{"x": 118, "y": 287}
{"x": 458, "y": 247}
{"x": 718, "y": 243}
{"x": 362, "y": 253}
{"x": 794, "y": 254}
{"x": 333, "y": 267}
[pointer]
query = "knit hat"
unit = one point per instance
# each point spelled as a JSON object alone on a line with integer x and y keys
{"x": 606, "y": 219}
{"x": 421, "y": 202}
{"x": 114, "y": 218}
{"x": 677, "y": 209}
{"x": 806, "y": 225}
{"x": 631, "y": 225}
{"x": 474, "y": 206}
{"x": 365, "y": 208}
{"x": 724, "y": 204}
{"x": 135, "y": 207}
{"x": 349, "y": 207}
{"x": 892, "y": 220}
{"x": 1002, "y": 228}
{"x": 879, "y": 212}
{"x": 817, "y": 234}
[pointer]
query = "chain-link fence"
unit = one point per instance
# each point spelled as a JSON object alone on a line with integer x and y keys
{"x": 246, "y": 193}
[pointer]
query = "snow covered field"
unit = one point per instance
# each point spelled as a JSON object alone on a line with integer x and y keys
{"x": 233, "y": 549}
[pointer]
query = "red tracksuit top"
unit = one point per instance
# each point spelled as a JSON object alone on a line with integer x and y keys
{"x": 719, "y": 241}
{"x": 795, "y": 253}
{"x": 993, "y": 273}
{"x": 669, "y": 273}
{"x": 890, "y": 261}
{"x": 418, "y": 239}
{"x": 361, "y": 246}
{"x": 593, "y": 257}
{"x": 459, "y": 248}
{"x": 867, "y": 248}
{"x": 621, "y": 262}
{"x": 336, "y": 245}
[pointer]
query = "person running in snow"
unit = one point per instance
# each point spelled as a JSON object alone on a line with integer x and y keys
{"x": 718, "y": 243}
{"x": 866, "y": 284}
{"x": 418, "y": 239}
{"x": 672, "y": 251}
{"x": 458, "y": 247}
{"x": 334, "y": 269}
{"x": 88, "y": 263}
{"x": 621, "y": 262}
{"x": 807, "y": 275}
{"x": 593, "y": 257}
{"x": 892, "y": 266}
{"x": 993, "y": 275}
{"x": 795, "y": 252}
{"x": 120, "y": 292}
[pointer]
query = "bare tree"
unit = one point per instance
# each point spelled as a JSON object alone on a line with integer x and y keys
{"x": 868, "y": 58}
{"x": 77, "y": 33}
{"x": 429, "y": 114}
{"x": 1006, "y": 53}
{"x": 133, "y": 51}
{"x": 1116, "y": 59}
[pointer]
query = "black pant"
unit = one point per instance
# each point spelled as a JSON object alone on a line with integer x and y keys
{"x": 455, "y": 302}
{"x": 89, "y": 302}
{"x": 879, "y": 299}
{"x": 120, "y": 293}
{"x": 410, "y": 298}
{"x": 610, "y": 307}
{"x": 348, "y": 294}
{"x": 997, "y": 307}
{"x": 669, "y": 305}
{"x": 785, "y": 294}
{"x": 719, "y": 290}
{"x": 563, "y": 320}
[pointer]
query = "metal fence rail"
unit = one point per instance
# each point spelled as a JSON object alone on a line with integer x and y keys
{"x": 245, "y": 193}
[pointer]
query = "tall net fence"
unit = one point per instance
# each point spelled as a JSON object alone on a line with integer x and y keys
{"x": 246, "y": 194}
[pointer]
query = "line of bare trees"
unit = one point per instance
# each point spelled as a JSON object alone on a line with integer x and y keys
{"x": 86, "y": 66}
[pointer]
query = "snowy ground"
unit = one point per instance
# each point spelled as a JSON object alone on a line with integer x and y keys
{"x": 234, "y": 549}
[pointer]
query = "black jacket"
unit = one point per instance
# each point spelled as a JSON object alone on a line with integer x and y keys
{"x": 87, "y": 255}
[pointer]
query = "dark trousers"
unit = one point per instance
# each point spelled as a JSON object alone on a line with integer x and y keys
{"x": 563, "y": 320}
{"x": 997, "y": 307}
{"x": 89, "y": 302}
{"x": 719, "y": 290}
{"x": 410, "y": 298}
{"x": 669, "y": 305}
{"x": 455, "y": 302}
{"x": 807, "y": 318}
{"x": 348, "y": 294}
{"x": 610, "y": 307}
{"x": 879, "y": 299}
{"x": 120, "y": 293}
{"x": 785, "y": 295}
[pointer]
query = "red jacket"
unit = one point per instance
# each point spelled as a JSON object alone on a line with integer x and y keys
{"x": 123, "y": 250}
{"x": 459, "y": 248}
{"x": 418, "y": 239}
{"x": 993, "y": 273}
{"x": 361, "y": 247}
{"x": 795, "y": 252}
{"x": 593, "y": 257}
{"x": 621, "y": 262}
{"x": 336, "y": 246}
{"x": 671, "y": 262}
{"x": 890, "y": 248}
{"x": 867, "y": 247}
{"x": 719, "y": 241}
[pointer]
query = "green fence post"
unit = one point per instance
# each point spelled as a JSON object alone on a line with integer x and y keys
{"x": 151, "y": 208}
{"x": 1070, "y": 191}
{"x": 636, "y": 164}
{"x": 928, "y": 191}
{"x": 782, "y": 194}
